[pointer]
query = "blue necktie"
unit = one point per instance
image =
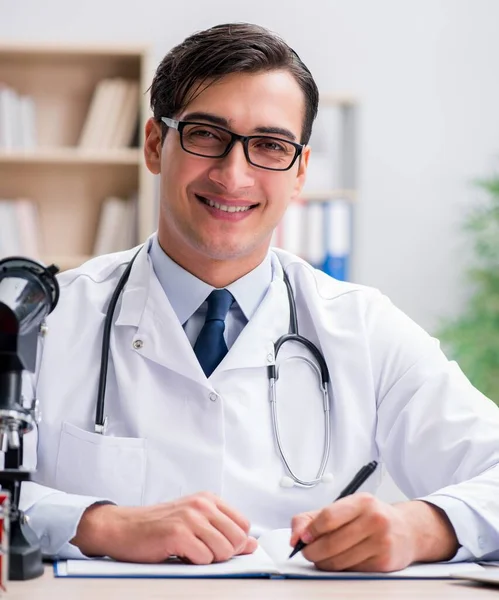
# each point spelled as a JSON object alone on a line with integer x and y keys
{"x": 210, "y": 347}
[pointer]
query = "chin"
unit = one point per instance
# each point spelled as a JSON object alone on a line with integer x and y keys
{"x": 227, "y": 251}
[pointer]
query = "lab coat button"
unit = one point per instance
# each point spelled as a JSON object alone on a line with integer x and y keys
{"x": 270, "y": 357}
{"x": 481, "y": 541}
{"x": 213, "y": 397}
{"x": 137, "y": 344}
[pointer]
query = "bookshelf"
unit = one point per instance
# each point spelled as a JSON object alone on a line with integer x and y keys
{"x": 318, "y": 226}
{"x": 68, "y": 183}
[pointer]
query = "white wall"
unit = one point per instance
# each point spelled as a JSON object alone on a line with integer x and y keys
{"x": 425, "y": 73}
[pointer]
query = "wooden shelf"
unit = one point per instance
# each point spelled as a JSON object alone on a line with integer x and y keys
{"x": 50, "y": 51}
{"x": 65, "y": 262}
{"x": 337, "y": 99}
{"x": 72, "y": 156}
{"x": 69, "y": 184}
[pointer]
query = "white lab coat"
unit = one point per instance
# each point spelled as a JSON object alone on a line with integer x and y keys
{"x": 172, "y": 432}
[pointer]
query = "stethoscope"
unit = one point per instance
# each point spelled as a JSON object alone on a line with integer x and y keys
{"x": 319, "y": 366}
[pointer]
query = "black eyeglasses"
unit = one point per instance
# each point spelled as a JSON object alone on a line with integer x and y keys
{"x": 211, "y": 141}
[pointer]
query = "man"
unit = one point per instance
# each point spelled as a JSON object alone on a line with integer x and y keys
{"x": 186, "y": 462}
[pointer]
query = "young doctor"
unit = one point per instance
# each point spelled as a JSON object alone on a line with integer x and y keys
{"x": 190, "y": 455}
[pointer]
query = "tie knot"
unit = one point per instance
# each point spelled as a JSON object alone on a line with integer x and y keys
{"x": 219, "y": 302}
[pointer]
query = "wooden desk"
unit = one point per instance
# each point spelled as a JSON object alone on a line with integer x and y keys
{"x": 47, "y": 587}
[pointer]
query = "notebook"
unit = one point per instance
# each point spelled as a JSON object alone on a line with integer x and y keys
{"x": 270, "y": 560}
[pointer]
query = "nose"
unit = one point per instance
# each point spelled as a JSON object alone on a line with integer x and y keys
{"x": 232, "y": 172}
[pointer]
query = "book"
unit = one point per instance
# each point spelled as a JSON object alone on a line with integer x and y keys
{"x": 315, "y": 250}
{"x": 10, "y": 242}
{"x": 17, "y": 120}
{"x": 338, "y": 235}
{"x": 28, "y": 224}
{"x": 94, "y": 116}
{"x": 27, "y": 123}
{"x": 112, "y": 109}
{"x": 270, "y": 560}
{"x": 128, "y": 117}
{"x": 112, "y": 116}
{"x": 116, "y": 229}
{"x": 291, "y": 228}
{"x": 8, "y": 118}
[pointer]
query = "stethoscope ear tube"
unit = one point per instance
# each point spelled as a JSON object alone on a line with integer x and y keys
{"x": 294, "y": 336}
{"x": 106, "y": 337}
{"x": 272, "y": 372}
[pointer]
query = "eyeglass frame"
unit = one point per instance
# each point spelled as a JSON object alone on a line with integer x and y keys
{"x": 244, "y": 139}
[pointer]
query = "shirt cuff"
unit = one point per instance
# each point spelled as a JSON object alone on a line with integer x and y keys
{"x": 472, "y": 531}
{"x": 55, "y": 519}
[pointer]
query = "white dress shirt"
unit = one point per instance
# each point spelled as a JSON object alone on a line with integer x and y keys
{"x": 187, "y": 294}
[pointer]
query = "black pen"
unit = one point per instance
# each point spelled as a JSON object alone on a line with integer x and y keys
{"x": 352, "y": 487}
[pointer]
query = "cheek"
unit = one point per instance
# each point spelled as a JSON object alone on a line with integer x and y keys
{"x": 279, "y": 191}
{"x": 178, "y": 171}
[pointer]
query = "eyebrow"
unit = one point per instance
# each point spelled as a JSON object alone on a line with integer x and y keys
{"x": 222, "y": 122}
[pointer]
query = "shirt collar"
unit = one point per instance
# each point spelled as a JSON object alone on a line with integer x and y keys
{"x": 186, "y": 292}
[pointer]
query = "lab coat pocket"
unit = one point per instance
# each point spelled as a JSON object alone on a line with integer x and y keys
{"x": 108, "y": 467}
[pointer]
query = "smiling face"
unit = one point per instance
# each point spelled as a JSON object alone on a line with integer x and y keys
{"x": 217, "y": 215}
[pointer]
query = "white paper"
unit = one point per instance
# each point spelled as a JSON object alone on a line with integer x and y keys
{"x": 490, "y": 576}
{"x": 270, "y": 558}
{"x": 249, "y": 564}
{"x": 276, "y": 545}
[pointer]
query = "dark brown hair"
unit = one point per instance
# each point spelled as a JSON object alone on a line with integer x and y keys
{"x": 209, "y": 55}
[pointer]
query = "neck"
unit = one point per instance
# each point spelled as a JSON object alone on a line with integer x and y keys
{"x": 217, "y": 273}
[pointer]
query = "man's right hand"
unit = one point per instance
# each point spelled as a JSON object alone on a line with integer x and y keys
{"x": 200, "y": 529}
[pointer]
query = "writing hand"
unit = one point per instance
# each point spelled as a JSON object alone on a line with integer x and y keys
{"x": 362, "y": 533}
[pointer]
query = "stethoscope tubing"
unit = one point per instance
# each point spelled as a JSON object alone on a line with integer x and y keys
{"x": 272, "y": 371}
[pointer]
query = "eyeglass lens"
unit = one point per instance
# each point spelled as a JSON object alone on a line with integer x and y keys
{"x": 264, "y": 151}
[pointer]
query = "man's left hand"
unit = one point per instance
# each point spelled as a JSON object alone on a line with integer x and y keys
{"x": 362, "y": 533}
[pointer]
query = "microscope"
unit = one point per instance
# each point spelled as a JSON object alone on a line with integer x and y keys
{"x": 28, "y": 293}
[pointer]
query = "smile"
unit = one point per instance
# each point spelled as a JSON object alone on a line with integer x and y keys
{"x": 225, "y": 207}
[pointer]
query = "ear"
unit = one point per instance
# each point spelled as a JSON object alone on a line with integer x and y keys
{"x": 302, "y": 172}
{"x": 152, "y": 146}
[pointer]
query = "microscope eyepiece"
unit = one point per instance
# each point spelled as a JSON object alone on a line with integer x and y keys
{"x": 29, "y": 290}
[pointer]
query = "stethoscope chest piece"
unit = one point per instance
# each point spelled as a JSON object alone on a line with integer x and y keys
{"x": 290, "y": 479}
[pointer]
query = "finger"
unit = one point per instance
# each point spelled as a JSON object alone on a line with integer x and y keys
{"x": 377, "y": 564}
{"x": 205, "y": 506}
{"x": 250, "y": 547}
{"x": 218, "y": 544}
{"x": 192, "y": 549}
{"x": 298, "y": 524}
{"x": 340, "y": 540}
{"x": 334, "y": 516}
{"x": 233, "y": 515}
{"x": 236, "y": 536}
{"x": 351, "y": 559}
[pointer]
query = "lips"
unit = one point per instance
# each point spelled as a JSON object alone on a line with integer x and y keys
{"x": 228, "y": 207}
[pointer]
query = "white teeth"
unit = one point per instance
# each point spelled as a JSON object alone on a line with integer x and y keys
{"x": 225, "y": 208}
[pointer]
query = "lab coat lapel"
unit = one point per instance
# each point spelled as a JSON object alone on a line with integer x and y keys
{"x": 167, "y": 343}
{"x": 161, "y": 335}
{"x": 164, "y": 341}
